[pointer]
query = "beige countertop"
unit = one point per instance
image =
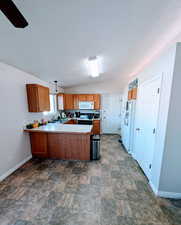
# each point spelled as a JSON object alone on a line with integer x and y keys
{"x": 62, "y": 128}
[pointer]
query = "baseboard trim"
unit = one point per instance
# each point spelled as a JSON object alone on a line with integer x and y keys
{"x": 154, "y": 189}
{"x": 164, "y": 194}
{"x": 2, "y": 177}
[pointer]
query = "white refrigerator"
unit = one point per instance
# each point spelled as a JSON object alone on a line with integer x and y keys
{"x": 127, "y": 129}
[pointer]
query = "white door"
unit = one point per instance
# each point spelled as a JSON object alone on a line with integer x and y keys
{"x": 111, "y": 110}
{"x": 146, "y": 123}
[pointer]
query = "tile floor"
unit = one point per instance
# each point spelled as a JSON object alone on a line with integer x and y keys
{"x": 112, "y": 191}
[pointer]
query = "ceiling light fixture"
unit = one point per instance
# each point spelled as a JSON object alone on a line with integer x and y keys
{"x": 93, "y": 66}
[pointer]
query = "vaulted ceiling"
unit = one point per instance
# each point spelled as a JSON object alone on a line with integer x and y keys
{"x": 62, "y": 34}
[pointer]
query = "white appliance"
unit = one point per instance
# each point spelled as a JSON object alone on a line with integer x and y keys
{"x": 128, "y": 125}
{"x": 86, "y": 105}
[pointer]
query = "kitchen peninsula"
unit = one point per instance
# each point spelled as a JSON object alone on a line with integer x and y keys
{"x": 70, "y": 137}
{"x": 61, "y": 141}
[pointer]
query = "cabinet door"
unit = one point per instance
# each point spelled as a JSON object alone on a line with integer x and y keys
{"x": 43, "y": 99}
{"x": 38, "y": 98}
{"x": 68, "y": 101}
{"x": 96, "y": 127}
{"x": 134, "y": 93}
{"x": 55, "y": 144}
{"x": 76, "y": 101}
{"x": 97, "y": 101}
{"x": 90, "y": 97}
{"x": 69, "y": 122}
{"x": 129, "y": 94}
{"x": 60, "y": 102}
{"x": 82, "y": 97}
{"x": 39, "y": 144}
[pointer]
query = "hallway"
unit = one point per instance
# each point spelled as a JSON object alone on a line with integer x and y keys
{"x": 112, "y": 191}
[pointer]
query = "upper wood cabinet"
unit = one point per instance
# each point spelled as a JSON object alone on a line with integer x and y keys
{"x": 71, "y": 101}
{"x": 82, "y": 97}
{"x": 92, "y": 98}
{"x": 129, "y": 94}
{"x": 68, "y": 101}
{"x": 132, "y": 94}
{"x": 38, "y": 98}
{"x": 76, "y": 101}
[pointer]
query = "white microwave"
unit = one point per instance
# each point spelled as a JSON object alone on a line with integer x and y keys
{"x": 86, "y": 105}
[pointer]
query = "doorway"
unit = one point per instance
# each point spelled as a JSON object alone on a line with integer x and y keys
{"x": 111, "y": 112}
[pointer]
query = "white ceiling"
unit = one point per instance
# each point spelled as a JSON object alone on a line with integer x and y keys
{"x": 62, "y": 34}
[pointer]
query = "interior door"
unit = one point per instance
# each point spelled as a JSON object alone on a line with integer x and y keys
{"x": 111, "y": 110}
{"x": 146, "y": 122}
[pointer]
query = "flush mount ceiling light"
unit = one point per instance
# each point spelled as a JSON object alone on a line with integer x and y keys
{"x": 93, "y": 66}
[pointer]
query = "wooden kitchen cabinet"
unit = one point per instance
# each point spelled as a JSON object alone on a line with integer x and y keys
{"x": 71, "y": 101}
{"x": 68, "y": 101}
{"x": 76, "y": 101}
{"x": 82, "y": 97}
{"x": 39, "y": 144}
{"x": 96, "y": 126}
{"x": 69, "y": 146}
{"x": 66, "y": 146}
{"x": 90, "y": 98}
{"x": 129, "y": 94}
{"x": 134, "y": 93}
{"x": 71, "y": 122}
{"x": 97, "y": 101}
{"x": 38, "y": 98}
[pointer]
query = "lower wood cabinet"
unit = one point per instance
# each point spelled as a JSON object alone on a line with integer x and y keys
{"x": 71, "y": 122}
{"x": 96, "y": 126}
{"x": 39, "y": 144}
{"x": 97, "y": 101}
{"x": 68, "y": 146}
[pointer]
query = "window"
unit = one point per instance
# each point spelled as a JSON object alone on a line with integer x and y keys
{"x": 53, "y": 105}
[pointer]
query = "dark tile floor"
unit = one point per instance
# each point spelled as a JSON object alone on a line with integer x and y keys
{"x": 112, "y": 191}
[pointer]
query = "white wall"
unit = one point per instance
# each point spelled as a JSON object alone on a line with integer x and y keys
{"x": 103, "y": 87}
{"x": 166, "y": 165}
{"x": 15, "y": 146}
{"x": 171, "y": 165}
{"x": 163, "y": 66}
